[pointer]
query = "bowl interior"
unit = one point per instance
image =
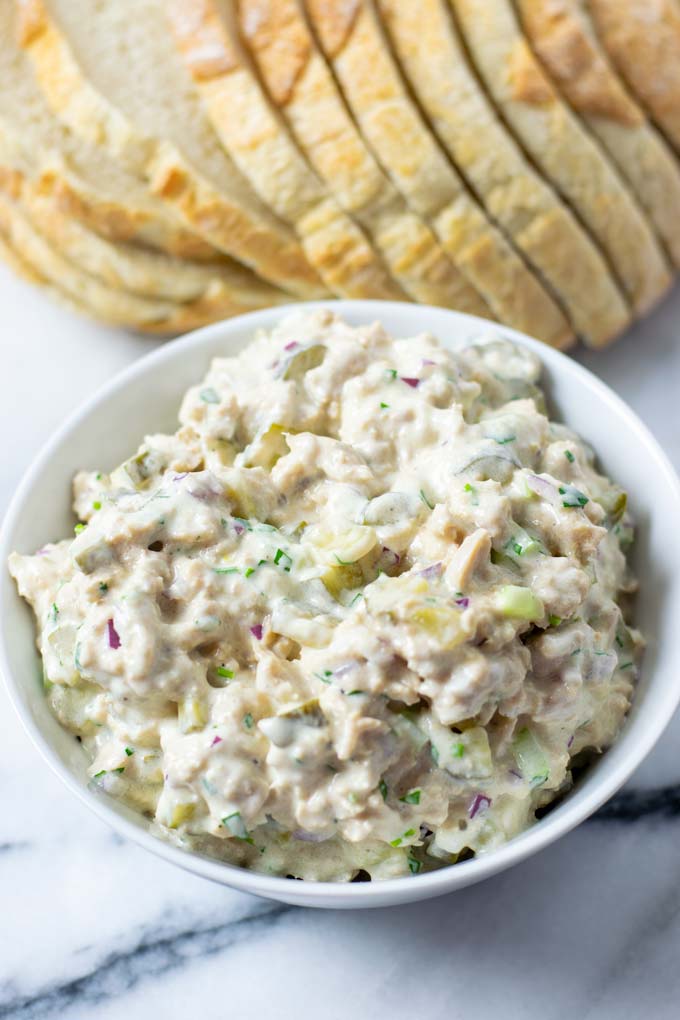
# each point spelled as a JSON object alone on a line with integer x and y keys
{"x": 145, "y": 399}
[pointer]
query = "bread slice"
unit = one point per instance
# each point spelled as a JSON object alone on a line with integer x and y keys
{"x": 118, "y": 307}
{"x": 352, "y": 40}
{"x": 562, "y": 149}
{"x": 642, "y": 37}
{"x": 303, "y": 89}
{"x": 563, "y": 38}
{"x": 109, "y": 70}
{"x": 91, "y": 185}
{"x": 259, "y": 142}
{"x": 223, "y": 290}
{"x": 426, "y": 41}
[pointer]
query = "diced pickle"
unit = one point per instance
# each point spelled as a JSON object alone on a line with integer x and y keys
{"x": 191, "y": 715}
{"x": 303, "y": 361}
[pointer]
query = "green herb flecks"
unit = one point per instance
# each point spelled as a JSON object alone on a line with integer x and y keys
{"x": 570, "y": 456}
{"x": 248, "y": 721}
{"x": 222, "y": 671}
{"x": 414, "y": 865}
{"x": 471, "y": 490}
{"x": 282, "y": 559}
{"x": 572, "y": 497}
{"x": 79, "y": 527}
{"x": 382, "y": 786}
{"x": 129, "y": 751}
{"x": 412, "y": 797}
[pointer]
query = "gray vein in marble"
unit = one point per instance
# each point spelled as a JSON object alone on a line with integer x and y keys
{"x": 631, "y": 805}
{"x": 152, "y": 957}
{"x": 11, "y": 846}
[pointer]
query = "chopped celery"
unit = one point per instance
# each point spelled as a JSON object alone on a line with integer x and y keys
{"x": 530, "y": 757}
{"x": 235, "y": 825}
{"x": 520, "y": 603}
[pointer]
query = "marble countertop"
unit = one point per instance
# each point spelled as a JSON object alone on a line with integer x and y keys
{"x": 94, "y": 928}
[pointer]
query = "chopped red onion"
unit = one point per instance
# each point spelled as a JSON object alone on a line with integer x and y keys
{"x": 179, "y": 477}
{"x": 256, "y": 631}
{"x": 291, "y": 346}
{"x": 570, "y": 741}
{"x": 463, "y": 603}
{"x": 478, "y": 804}
{"x": 388, "y": 558}
{"x": 216, "y": 740}
{"x": 542, "y": 487}
{"x": 238, "y": 528}
{"x": 308, "y": 837}
{"x": 410, "y": 381}
{"x": 517, "y": 775}
{"x": 434, "y": 570}
{"x": 114, "y": 637}
{"x": 428, "y": 361}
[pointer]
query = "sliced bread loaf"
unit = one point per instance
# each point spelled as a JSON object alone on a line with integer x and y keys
{"x": 431, "y": 54}
{"x": 352, "y": 40}
{"x": 110, "y": 71}
{"x": 562, "y": 148}
{"x": 258, "y": 140}
{"x": 562, "y": 36}
{"x": 302, "y": 87}
{"x": 224, "y": 289}
{"x": 119, "y": 307}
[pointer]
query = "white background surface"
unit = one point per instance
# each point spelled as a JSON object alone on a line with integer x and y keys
{"x": 93, "y": 928}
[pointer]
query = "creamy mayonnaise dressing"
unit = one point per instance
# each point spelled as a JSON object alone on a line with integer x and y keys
{"x": 362, "y": 612}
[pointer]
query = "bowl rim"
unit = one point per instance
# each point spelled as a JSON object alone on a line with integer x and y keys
{"x": 593, "y": 792}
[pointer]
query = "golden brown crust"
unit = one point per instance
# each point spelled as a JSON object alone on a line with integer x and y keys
{"x": 579, "y": 69}
{"x": 528, "y": 83}
{"x": 280, "y": 42}
{"x": 643, "y": 39}
{"x": 334, "y": 21}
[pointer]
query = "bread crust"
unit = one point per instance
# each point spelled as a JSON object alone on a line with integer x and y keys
{"x": 564, "y": 40}
{"x": 562, "y": 149}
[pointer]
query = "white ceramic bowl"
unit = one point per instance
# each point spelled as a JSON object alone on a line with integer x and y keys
{"x": 145, "y": 398}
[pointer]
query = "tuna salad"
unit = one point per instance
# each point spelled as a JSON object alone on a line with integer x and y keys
{"x": 361, "y": 616}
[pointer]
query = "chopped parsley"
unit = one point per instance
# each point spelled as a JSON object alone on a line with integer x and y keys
{"x": 572, "y": 496}
{"x": 248, "y": 720}
{"x": 382, "y": 786}
{"x": 228, "y": 674}
{"x": 391, "y": 373}
{"x": 458, "y": 750}
{"x": 79, "y": 527}
{"x": 103, "y": 587}
{"x": 426, "y": 500}
{"x": 98, "y": 774}
{"x": 283, "y": 559}
{"x": 323, "y": 677}
{"x": 474, "y": 498}
{"x": 384, "y": 406}
{"x": 96, "y": 505}
{"x": 129, "y": 751}
{"x": 570, "y": 456}
{"x": 554, "y": 621}
{"x": 414, "y": 865}
{"x": 119, "y": 770}
{"x": 412, "y": 797}
{"x": 54, "y": 613}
